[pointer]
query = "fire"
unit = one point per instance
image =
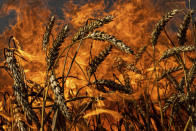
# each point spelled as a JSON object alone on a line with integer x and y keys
{"x": 133, "y": 23}
{"x": 115, "y": 114}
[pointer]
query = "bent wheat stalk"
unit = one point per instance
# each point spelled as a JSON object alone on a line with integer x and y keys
{"x": 183, "y": 29}
{"x": 83, "y": 31}
{"x": 93, "y": 65}
{"x": 19, "y": 86}
{"x": 97, "y": 35}
{"x": 15, "y": 69}
{"x": 191, "y": 75}
{"x": 160, "y": 25}
{"x": 176, "y": 50}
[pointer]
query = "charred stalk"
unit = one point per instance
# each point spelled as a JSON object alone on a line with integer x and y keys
{"x": 112, "y": 86}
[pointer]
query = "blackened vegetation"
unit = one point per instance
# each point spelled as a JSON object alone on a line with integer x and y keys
{"x": 176, "y": 112}
{"x": 113, "y": 86}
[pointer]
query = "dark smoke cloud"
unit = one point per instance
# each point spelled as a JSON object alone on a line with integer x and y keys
{"x": 7, "y": 20}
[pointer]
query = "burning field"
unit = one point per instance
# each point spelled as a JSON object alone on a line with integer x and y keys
{"x": 96, "y": 66}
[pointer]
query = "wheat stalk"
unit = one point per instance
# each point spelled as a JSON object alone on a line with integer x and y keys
{"x": 191, "y": 74}
{"x": 173, "y": 81}
{"x": 160, "y": 25}
{"x": 120, "y": 64}
{"x": 83, "y": 31}
{"x": 169, "y": 71}
{"x": 176, "y": 50}
{"x": 48, "y": 33}
{"x": 15, "y": 69}
{"x": 112, "y": 85}
{"x": 139, "y": 54}
{"x": 131, "y": 67}
{"x": 183, "y": 28}
{"x": 175, "y": 99}
{"x": 192, "y": 108}
{"x": 155, "y": 35}
{"x": 127, "y": 80}
{"x": 59, "y": 97}
{"x": 18, "y": 117}
{"x": 182, "y": 83}
{"x": 23, "y": 102}
{"x": 54, "y": 50}
{"x": 98, "y": 60}
{"x": 19, "y": 86}
{"x": 102, "y": 36}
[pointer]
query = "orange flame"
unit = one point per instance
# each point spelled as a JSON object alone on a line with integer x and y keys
{"x": 117, "y": 116}
{"x": 133, "y": 24}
